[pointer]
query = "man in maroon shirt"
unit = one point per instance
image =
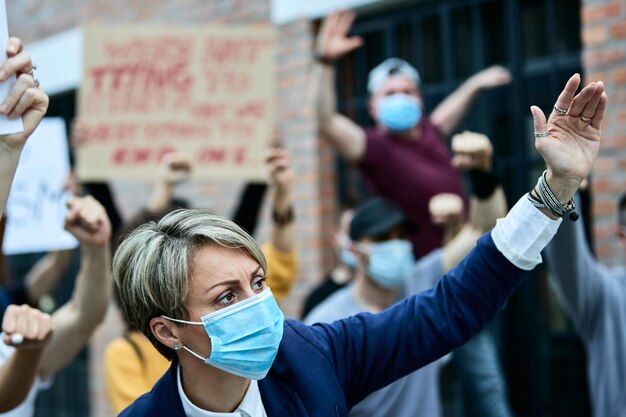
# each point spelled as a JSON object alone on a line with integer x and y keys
{"x": 403, "y": 158}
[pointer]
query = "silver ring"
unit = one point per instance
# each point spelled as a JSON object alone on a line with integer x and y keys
{"x": 32, "y": 74}
{"x": 541, "y": 134}
{"x": 560, "y": 110}
{"x": 585, "y": 119}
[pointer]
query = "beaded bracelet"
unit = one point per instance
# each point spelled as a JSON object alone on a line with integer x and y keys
{"x": 547, "y": 199}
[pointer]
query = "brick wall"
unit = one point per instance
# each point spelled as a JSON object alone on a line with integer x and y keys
{"x": 314, "y": 189}
{"x": 604, "y": 58}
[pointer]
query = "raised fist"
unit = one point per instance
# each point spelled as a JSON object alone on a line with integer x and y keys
{"x": 25, "y": 327}
{"x": 87, "y": 220}
{"x": 280, "y": 165}
{"x": 472, "y": 151}
{"x": 175, "y": 168}
{"x": 445, "y": 209}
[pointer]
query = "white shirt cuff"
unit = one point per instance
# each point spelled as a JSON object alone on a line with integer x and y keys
{"x": 523, "y": 234}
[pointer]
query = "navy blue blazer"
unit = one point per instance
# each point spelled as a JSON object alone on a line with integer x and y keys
{"x": 325, "y": 369}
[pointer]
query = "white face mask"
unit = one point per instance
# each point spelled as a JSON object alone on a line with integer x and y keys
{"x": 244, "y": 336}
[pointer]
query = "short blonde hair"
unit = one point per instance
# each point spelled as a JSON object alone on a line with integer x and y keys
{"x": 153, "y": 264}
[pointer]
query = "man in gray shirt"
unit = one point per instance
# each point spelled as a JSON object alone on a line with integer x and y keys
{"x": 595, "y": 299}
{"x": 379, "y": 231}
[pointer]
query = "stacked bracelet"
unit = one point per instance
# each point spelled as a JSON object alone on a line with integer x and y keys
{"x": 546, "y": 198}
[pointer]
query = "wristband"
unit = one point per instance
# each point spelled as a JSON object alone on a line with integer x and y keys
{"x": 483, "y": 183}
{"x": 322, "y": 59}
{"x": 282, "y": 219}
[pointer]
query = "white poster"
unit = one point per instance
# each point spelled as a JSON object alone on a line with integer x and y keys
{"x": 36, "y": 207}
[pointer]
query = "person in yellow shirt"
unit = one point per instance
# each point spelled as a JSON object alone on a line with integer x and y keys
{"x": 131, "y": 364}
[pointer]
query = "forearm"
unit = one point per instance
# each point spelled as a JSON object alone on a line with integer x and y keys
{"x": 452, "y": 110}
{"x": 160, "y": 198}
{"x": 580, "y": 278}
{"x": 93, "y": 287}
{"x": 485, "y": 212}
{"x": 344, "y": 135}
{"x": 17, "y": 375}
{"x": 43, "y": 277}
{"x": 282, "y": 235}
{"x": 459, "y": 247}
{"x": 75, "y": 322}
{"x": 9, "y": 158}
{"x": 322, "y": 90}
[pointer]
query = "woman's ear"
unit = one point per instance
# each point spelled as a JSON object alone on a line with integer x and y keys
{"x": 163, "y": 330}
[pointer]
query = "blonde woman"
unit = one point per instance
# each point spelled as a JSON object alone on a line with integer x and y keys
{"x": 194, "y": 284}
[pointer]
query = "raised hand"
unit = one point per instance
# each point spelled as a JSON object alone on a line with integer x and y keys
{"x": 175, "y": 168}
{"x": 570, "y": 139}
{"x": 87, "y": 220}
{"x": 25, "y": 327}
{"x": 280, "y": 165}
{"x": 446, "y": 208}
{"x": 333, "y": 41}
{"x": 25, "y": 99}
{"x": 472, "y": 151}
{"x": 492, "y": 77}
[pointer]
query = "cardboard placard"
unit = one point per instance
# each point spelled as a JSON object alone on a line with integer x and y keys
{"x": 36, "y": 206}
{"x": 147, "y": 90}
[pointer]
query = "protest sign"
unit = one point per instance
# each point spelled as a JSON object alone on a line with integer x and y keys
{"x": 208, "y": 91}
{"x": 36, "y": 206}
{"x": 7, "y": 126}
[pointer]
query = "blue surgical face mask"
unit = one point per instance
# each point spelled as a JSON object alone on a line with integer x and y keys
{"x": 348, "y": 258}
{"x": 345, "y": 255}
{"x": 399, "y": 112}
{"x": 390, "y": 262}
{"x": 244, "y": 336}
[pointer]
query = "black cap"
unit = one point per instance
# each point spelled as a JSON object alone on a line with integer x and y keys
{"x": 375, "y": 217}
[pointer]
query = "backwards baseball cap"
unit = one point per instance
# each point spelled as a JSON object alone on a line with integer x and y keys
{"x": 391, "y": 68}
{"x": 375, "y": 217}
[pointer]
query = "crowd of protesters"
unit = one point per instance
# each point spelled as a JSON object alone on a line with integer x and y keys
{"x": 423, "y": 265}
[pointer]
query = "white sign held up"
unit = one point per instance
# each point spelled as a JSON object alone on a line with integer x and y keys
{"x": 36, "y": 206}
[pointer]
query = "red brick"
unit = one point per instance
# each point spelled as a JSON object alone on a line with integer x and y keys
{"x": 595, "y": 76}
{"x": 605, "y": 251}
{"x": 597, "y": 13}
{"x": 595, "y": 35}
{"x": 603, "y": 186}
{"x": 619, "y": 76}
{"x": 598, "y": 58}
{"x": 618, "y": 30}
{"x": 604, "y": 164}
{"x": 603, "y": 209}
